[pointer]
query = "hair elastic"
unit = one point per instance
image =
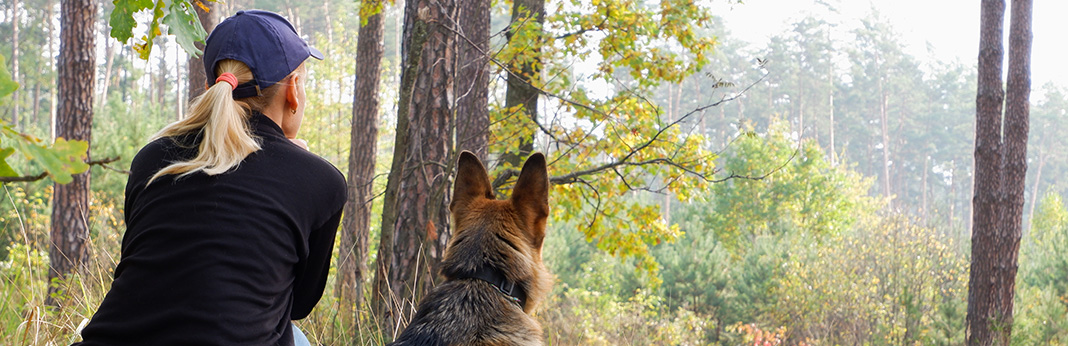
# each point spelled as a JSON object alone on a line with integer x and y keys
{"x": 229, "y": 78}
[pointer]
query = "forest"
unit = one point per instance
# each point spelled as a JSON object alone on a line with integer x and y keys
{"x": 814, "y": 189}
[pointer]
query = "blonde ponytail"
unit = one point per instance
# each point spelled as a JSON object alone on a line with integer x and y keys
{"x": 222, "y": 123}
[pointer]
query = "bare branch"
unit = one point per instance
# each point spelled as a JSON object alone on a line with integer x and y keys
{"x": 25, "y": 178}
{"x": 105, "y": 164}
{"x": 598, "y": 27}
{"x": 31, "y": 178}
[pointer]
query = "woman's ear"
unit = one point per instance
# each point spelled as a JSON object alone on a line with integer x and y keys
{"x": 292, "y": 98}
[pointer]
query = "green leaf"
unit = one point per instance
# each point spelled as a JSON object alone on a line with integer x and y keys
{"x": 5, "y": 169}
{"x": 122, "y": 18}
{"x": 62, "y": 160}
{"x": 183, "y": 23}
{"x": 7, "y": 85}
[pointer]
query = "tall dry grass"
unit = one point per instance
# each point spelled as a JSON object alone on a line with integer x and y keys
{"x": 572, "y": 316}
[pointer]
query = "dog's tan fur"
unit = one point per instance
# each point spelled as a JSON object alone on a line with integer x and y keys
{"x": 504, "y": 234}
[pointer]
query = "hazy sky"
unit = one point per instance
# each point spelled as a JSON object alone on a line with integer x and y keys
{"x": 950, "y": 28}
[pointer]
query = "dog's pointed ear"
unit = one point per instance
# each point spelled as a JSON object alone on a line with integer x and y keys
{"x": 531, "y": 191}
{"x": 472, "y": 181}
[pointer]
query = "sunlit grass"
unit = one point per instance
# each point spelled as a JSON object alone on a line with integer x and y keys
{"x": 568, "y": 319}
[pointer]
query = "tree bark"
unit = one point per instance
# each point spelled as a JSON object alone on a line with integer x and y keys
{"x": 70, "y": 202}
{"x": 472, "y": 78}
{"x": 1001, "y": 168}
{"x": 414, "y": 214}
{"x": 208, "y": 19}
{"x": 352, "y": 255}
{"x": 1014, "y": 161}
{"x": 989, "y": 101}
{"x": 522, "y": 74}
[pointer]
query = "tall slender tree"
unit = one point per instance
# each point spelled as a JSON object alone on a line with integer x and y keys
{"x": 522, "y": 94}
{"x": 15, "y": 60}
{"x": 70, "y": 202}
{"x": 1001, "y": 167}
{"x": 352, "y": 254}
{"x": 414, "y": 214}
{"x": 472, "y": 78}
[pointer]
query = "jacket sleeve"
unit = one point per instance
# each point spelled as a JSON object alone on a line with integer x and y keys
{"x": 311, "y": 278}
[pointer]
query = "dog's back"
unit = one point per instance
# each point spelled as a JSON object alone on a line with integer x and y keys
{"x": 494, "y": 277}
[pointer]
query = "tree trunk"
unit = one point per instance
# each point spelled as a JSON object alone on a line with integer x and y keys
{"x": 522, "y": 74}
{"x": 15, "y": 63}
{"x": 830, "y": 107}
{"x": 126, "y": 52}
{"x": 180, "y": 95}
{"x": 1001, "y": 168}
{"x": 52, "y": 92}
{"x": 1042, "y": 155}
{"x": 36, "y": 103}
{"x": 884, "y": 120}
{"x": 800, "y": 104}
{"x": 108, "y": 62}
{"x": 414, "y": 213}
{"x": 472, "y": 78}
{"x": 197, "y": 81}
{"x": 70, "y": 202}
{"x": 989, "y": 99}
{"x": 923, "y": 193}
{"x": 352, "y": 255}
{"x": 1014, "y": 159}
{"x": 161, "y": 77}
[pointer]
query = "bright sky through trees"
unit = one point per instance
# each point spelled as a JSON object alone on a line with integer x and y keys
{"x": 946, "y": 30}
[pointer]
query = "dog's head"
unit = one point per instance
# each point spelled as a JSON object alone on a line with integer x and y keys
{"x": 473, "y": 202}
{"x": 506, "y": 234}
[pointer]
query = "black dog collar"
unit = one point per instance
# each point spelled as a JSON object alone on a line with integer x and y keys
{"x": 495, "y": 277}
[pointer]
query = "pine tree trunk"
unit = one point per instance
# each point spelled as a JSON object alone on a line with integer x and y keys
{"x": 415, "y": 212}
{"x": 989, "y": 99}
{"x": 108, "y": 62}
{"x": 208, "y": 19}
{"x": 1042, "y": 155}
{"x": 15, "y": 63}
{"x": 178, "y": 100}
{"x": 70, "y": 202}
{"x": 52, "y": 92}
{"x": 36, "y": 103}
{"x": 161, "y": 77}
{"x": 472, "y": 78}
{"x": 520, "y": 92}
{"x": 1001, "y": 169}
{"x": 923, "y": 193}
{"x": 1014, "y": 160}
{"x": 352, "y": 261}
{"x": 830, "y": 108}
{"x": 884, "y": 120}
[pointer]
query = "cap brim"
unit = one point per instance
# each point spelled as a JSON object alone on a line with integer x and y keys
{"x": 315, "y": 53}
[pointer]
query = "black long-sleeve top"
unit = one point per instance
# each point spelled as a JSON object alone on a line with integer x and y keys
{"x": 227, "y": 259}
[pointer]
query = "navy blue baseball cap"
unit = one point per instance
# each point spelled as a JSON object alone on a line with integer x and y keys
{"x": 265, "y": 41}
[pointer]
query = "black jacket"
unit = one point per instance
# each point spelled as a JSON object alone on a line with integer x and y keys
{"x": 228, "y": 259}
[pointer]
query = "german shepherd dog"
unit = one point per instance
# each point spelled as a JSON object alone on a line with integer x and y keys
{"x": 494, "y": 277}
